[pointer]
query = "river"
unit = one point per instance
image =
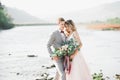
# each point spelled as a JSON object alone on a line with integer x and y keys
{"x": 101, "y": 50}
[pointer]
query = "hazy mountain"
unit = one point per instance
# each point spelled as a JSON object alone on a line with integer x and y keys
{"x": 20, "y": 16}
{"x": 101, "y": 12}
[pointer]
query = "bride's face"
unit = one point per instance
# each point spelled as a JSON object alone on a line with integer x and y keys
{"x": 67, "y": 28}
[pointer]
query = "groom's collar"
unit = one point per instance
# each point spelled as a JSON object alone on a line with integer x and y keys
{"x": 59, "y": 30}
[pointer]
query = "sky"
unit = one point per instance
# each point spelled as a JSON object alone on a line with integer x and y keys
{"x": 43, "y": 8}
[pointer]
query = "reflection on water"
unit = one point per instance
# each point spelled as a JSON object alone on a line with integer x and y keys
{"x": 101, "y": 49}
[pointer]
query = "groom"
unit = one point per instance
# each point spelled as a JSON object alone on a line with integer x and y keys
{"x": 55, "y": 41}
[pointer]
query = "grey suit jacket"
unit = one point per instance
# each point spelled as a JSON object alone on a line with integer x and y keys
{"x": 55, "y": 40}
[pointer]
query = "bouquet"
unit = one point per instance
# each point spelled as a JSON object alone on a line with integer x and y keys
{"x": 67, "y": 48}
{"x": 66, "y": 51}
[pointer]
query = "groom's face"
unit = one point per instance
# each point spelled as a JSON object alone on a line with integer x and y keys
{"x": 61, "y": 25}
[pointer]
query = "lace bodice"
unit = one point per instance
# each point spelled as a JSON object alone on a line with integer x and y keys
{"x": 70, "y": 37}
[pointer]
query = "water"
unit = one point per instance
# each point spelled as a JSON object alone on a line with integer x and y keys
{"x": 101, "y": 50}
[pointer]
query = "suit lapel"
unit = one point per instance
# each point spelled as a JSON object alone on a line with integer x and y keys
{"x": 61, "y": 36}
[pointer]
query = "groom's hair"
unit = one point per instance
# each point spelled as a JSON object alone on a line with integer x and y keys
{"x": 60, "y": 20}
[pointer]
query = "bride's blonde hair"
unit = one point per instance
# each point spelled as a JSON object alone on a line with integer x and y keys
{"x": 70, "y": 24}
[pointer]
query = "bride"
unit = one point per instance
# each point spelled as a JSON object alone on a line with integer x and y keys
{"x": 79, "y": 69}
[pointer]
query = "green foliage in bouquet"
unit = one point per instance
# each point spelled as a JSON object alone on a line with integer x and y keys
{"x": 59, "y": 52}
{"x": 72, "y": 46}
{"x": 67, "y": 48}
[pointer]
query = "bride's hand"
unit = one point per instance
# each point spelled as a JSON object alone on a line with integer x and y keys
{"x": 55, "y": 58}
{"x": 72, "y": 56}
{"x": 66, "y": 33}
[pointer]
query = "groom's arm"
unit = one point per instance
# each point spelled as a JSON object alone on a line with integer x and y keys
{"x": 50, "y": 43}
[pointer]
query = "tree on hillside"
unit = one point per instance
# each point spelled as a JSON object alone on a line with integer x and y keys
{"x": 5, "y": 19}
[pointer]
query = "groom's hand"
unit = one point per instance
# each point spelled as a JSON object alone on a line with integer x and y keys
{"x": 55, "y": 58}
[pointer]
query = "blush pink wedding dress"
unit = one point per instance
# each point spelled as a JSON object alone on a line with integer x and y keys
{"x": 79, "y": 68}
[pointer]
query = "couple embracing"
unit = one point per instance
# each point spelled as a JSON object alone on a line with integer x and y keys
{"x": 69, "y": 67}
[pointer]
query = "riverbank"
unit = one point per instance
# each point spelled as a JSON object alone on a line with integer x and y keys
{"x": 104, "y": 26}
{"x": 35, "y": 24}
